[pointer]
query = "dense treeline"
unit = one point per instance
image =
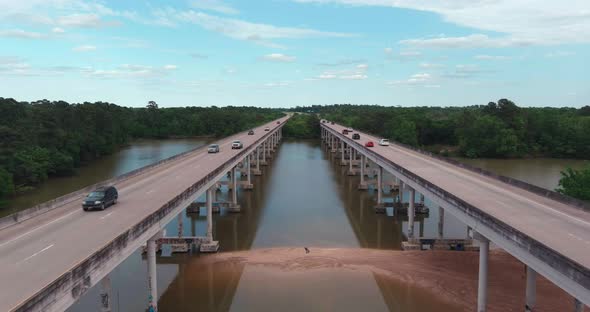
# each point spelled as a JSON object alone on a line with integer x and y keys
{"x": 302, "y": 126}
{"x": 44, "y": 138}
{"x": 575, "y": 183}
{"x": 499, "y": 129}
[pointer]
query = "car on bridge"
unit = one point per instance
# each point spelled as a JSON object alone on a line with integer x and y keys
{"x": 236, "y": 144}
{"x": 101, "y": 198}
{"x": 332, "y": 122}
{"x": 356, "y": 136}
{"x": 251, "y": 132}
{"x": 369, "y": 144}
{"x": 213, "y": 148}
{"x": 384, "y": 142}
{"x": 345, "y": 131}
{"x": 267, "y": 129}
{"x": 278, "y": 122}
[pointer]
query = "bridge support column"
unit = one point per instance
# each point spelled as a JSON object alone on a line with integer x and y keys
{"x": 531, "y": 290}
{"x": 106, "y": 294}
{"x": 441, "y": 222}
{"x": 234, "y": 206}
{"x": 249, "y": 185}
{"x": 210, "y": 245}
{"x": 363, "y": 185}
{"x": 380, "y": 208}
{"x": 342, "y": 153}
{"x": 264, "y": 153}
{"x": 351, "y": 156}
{"x": 411, "y": 213}
{"x": 257, "y": 170}
{"x": 402, "y": 186}
{"x": 578, "y": 305}
{"x": 152, "y": 275}
{"x": 482, "y": 289}
{"x": 180, "y": 225}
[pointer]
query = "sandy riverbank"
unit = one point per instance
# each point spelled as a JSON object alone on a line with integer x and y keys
{"x": 450, "y": 276}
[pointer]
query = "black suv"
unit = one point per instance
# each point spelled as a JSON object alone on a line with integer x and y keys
{"x": 101, "y": 198}
{"x": 356, "y": 136}
{"x": 251, "y": 132}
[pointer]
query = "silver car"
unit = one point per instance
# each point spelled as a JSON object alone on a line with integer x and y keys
{"x": 236, "y": 144}
{"x": 213, "y": 148}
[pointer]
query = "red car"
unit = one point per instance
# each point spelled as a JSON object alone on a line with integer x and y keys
{"x": 369, "y": 144}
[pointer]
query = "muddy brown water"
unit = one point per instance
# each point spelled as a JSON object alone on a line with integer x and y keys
{"x": 304, "y": 198}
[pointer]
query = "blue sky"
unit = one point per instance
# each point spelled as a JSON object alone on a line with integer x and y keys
{"x": 282, "y": 53}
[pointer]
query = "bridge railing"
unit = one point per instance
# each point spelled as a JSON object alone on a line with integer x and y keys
{"x": 564, "y": 199}
{"x": 79, "y": 275}
{"x": 571, "y": 269}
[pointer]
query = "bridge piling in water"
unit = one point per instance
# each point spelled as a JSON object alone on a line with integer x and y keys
{"x": 210, "y": 245}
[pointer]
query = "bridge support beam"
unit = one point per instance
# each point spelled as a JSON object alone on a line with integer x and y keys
{"x": 441, "y": 222}
{"x": 402, "y": 187}
{"x": 342, "y": 153}
{"x": 257, "y": 170}
{"x": 578, "y": 305}
{"x": 351, "y": 156}
{"x": 249, "y": 184}
{"x": 363, "y": 184}
{"x": 380, "y": 208}
{"x": 210, "y": 245}
{"x": 411, "y": 214}
{"x": 264, "y": 147}
{"x": 482, "y": 288}
{"x": 531, "y": 290}
{"x": 106, "y": 294}
{"x": 233, "y": 205}
{"x": 152, "y": 275}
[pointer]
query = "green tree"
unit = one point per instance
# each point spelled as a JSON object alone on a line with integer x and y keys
{"x": 6, "y": 186}
{"x": 575, "y": 183}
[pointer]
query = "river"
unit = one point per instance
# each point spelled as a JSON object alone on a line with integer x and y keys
{"x": 303, "y": 199}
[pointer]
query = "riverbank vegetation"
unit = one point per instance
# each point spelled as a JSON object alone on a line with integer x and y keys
{"x": 43, "y": 138}
{"x": 575, "y": 183}
{"x": 496, "y": 130}
{"x": 302, "y": 126}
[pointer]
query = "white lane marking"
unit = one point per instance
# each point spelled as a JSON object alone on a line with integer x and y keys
{"x": 149, "y": 192}
{"x": 37, "y": 228}
{"x": 38, "y": 252}
{"x": 106, "y": 216}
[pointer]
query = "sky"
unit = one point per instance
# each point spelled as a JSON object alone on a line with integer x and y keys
{"x": 284, "y": 53}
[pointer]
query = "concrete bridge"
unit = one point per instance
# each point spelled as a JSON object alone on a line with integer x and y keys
{"x": 51, "y": 254}
{"x": 548, "y": 232}
{"x": 54, "y": 252}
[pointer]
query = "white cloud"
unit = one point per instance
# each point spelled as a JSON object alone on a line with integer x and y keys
{"x": 388, "y": 51}
{"x": 21, "y": 34}
{"x": 431, "y": 65}
{"x": 262, "y": 34}
{"x": 359, "y": 72}
{"x": 130, "y": 71}
{"x": 84, "y": 48}
{"x": 362, "y": 66}
{"x": 519, "y": 22}
{"x": 424, "y": 79}
{"x": 277, "y": 84}
{"x": 492, "y": 57}
{"x": 213, "y": 5}
{"x": 58, "y": 30}
{"x": 83, "y": 21}
{"x": 559, "y": 54}
{"x": 170, "y": 67}
{"x": 278, "y": 57}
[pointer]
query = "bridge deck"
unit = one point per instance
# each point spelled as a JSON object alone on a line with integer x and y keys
{"x": 36, "y": 252}
{"x": 562, "y": 228}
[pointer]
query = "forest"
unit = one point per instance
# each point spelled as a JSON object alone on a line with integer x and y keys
{"x": 43, "y": 139}
{"x": 498, "y": 130}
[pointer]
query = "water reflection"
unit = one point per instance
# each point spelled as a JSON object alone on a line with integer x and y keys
{"x": 304, "y": 198}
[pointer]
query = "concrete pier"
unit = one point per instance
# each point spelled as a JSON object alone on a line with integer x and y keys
{"x": 482, "y": 288}
{"x": 233, "y": 205}
{"x": 257, "y": 170}
{"x": 380, "y": 207}
{"x": 152, "y": 275}
{"x": 106, "y": 294}
{"x": 441, "y": 222}
{"x": 423, "y": 243}
{"x": 210, "y": 245}
{"x": 248, "y": 185}
{"x": 363, "y": 184}
{"x": 411, "y": 214}
{"x": 531, "y": 290}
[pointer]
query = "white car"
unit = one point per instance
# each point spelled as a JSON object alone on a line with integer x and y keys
{"x": 236, "y": 144}
{"x": 267, "y": 129}
{"x": 213, "y": 148}
{"x": 384, "y": 142}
